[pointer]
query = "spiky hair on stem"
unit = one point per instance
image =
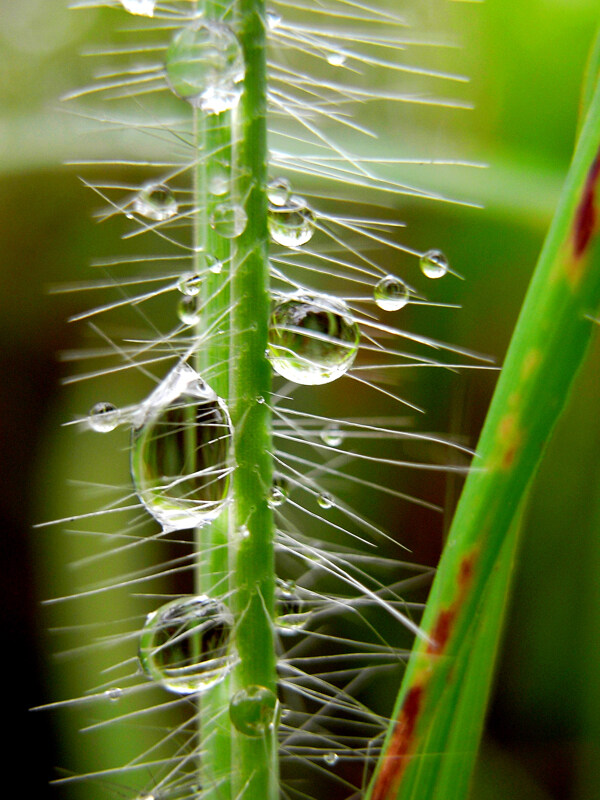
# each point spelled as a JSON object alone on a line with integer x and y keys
{"x": 206, "y": 311}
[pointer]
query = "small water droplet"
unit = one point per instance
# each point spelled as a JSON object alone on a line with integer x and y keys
{"x": 228, "y": 220}
{"x": 180, "y": 449}
{"x": 254, "y": 711}
{"x": 292, "y": 614}
{"x": 190, "y": 284}
{"x": 278, "y": 191}
{"x": 325, "y": 500}
{"x": 113, "y": 694}
{"x": 332, "y": 435}
{"x": 279, "y": 492}
{"x": 391, "y": 294}
{"x": 260, "y": 400}
{"x": 143, "y": 7}
{"x": 313, "y": 339}
{"x": 214, "y": 265}
{"x": 336, "y": 59}
{"x": 104, "y": 417}
{"x": 244, "y": 532}
{"x": 331, "y": 758}
{"x": 292, "y": 224}
{"x": 273, "y": 20}
{"x": 155, "y": 201}
{"x": 219, "y": 179}
{"x": 205, "y": 66}
{"x": 434, "y": 264}
{"x": 189, "y": 311}
{"x": 184, "y": 645}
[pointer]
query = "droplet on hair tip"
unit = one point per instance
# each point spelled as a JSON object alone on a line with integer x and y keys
{"x": 391, "y": 294}
{"x": 434, "y": 264}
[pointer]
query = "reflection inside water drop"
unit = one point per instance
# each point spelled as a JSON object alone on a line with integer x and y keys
{"x": 228, "y": 220}
{"x": 254, "y": 710}
{"x": 155, "y": 201}
{"x": 434, "y": 264}
{"x": 180, "y": 450}
{"x": 291, "y": 224}
{"x": 184, "y": 645}
{"x": 391, "y": 294}
{"x": 313, "y": 339}
{"x": 104, "y": 417}
{"x": 205, "y": 66}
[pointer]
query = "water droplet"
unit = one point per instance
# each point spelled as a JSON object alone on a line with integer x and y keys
{"x": 292, "y": 614}
{"x": 254, "y": 710}
{"x": 104, "y": 417}
{"x": 279, "y": 492}
{"x": 155, "y": 201}
{"x": 180, "y": 449}
{"x": 331, "y": 758}
{"x": 143, "y": 7}
{"x": 273, "y": 20}
{"x": 188, "y": 310}
{"x": 313, "y": 339}
{"x": 214, "y": 265}
{"x": 260, "y": 400}
{"x": 244, "y": 532}
{"x": 218, "y": 178}
{"x": 391, "y": 294}
{"x": 278, "y": 191}
{"x": 336, "y": 59}
{"x": 332, "y": 435}
{"x": 292, "y": 224}
{"x": 228, "y": 220}
{"x": 184, "y": 644}
{"x": 205, "y": 66}
{"x": 190, "y": 284}
{"x": 113, "y": 694}
{"x": 434, "y": 264}
{"x": 325, "y": 500}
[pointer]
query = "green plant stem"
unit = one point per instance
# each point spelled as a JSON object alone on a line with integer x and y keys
{"x": 213, "y": 135}
{"x": 252, "y": 551}
{"x": 548, "y": 346}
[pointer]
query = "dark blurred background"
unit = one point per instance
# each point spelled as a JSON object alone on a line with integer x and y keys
{"x": 526, "y": 61}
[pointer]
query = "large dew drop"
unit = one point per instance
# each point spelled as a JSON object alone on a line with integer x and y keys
{"x": 434, "y": 264}
{"x": 155, "y": 201}
{"x": 292, "y": 223}
{"x": 184, "y": 645}
{"x": 228, "y": 220}
{"x": 179, "y": 455}
{"x": 313, "y": 339}
{"x": 254, "y": 711}
{"x": 391, "y": 294}
{"x": 205, "y": 66}
{"x": 143, "y": 7}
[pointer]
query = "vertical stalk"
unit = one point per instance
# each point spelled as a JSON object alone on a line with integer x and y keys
{"x": 213, "y": 135}
{"x": 252, "y": 553}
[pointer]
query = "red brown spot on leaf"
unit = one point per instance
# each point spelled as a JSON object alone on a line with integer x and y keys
{"x": 396, "y": 758}
{"x": 445, "y": 621}
{"x": 586, "y": 216}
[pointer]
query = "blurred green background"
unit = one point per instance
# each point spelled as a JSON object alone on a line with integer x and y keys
{"x": 525, "y": 59}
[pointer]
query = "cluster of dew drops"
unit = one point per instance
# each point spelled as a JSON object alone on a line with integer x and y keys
{"x": 313, "y": 339}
